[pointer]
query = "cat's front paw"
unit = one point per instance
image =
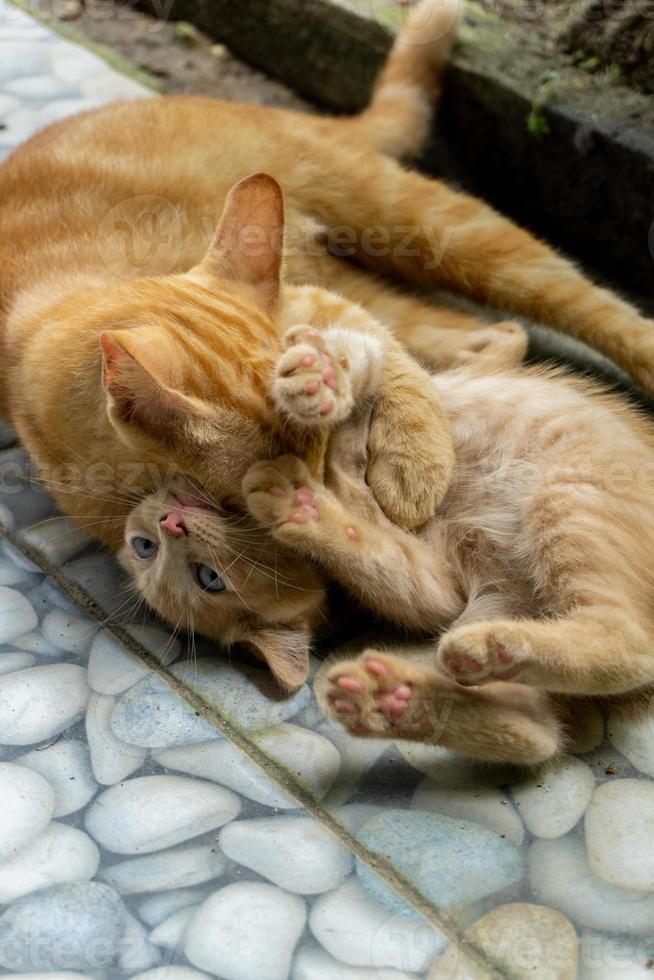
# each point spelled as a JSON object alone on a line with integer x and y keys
{"x": 280, "y": 491}
{"x": 484, "y": 652}
{"x": 312, "y": 386}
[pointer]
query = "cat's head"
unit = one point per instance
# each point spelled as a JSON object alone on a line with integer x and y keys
{"x": 217, "y": 573}
{"x": 187, "y": 359}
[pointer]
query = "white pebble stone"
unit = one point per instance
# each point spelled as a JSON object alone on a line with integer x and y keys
{"x": 60, "y": 854}
{"x": 38, "y": 703}
{"x": 113, "y": 668}
{"x": 153, "y": 812}
{"x": 175, "y": 868}
{"x": 163, "y": 646}
{"x": 74, "y": 926}
{"x": 57, "y": 538}
{"x": 73, "y": 64}
{"x": 170, "y": 932}
{"x": 554, "y": 798}
{"x": 313, "y": 963}
{"x": 172, "y": 973}
{"x": 36, "y": 643}
{"x": 35, "y": 87}
{"x": 9, "y": 662}
{"x": 613, "y": 958}
{"x": 620, "y": 833}
{"x": 12, "y": 574}
{"x": 27, "y": 805}
{"x": 224, "y": 936}
{"x": 634, "y": 738}
{"x": 17, "y": 615}
{"x": 111, "y": 759}
{"x": 560, "y": 877}
{"x": 67, "y": 767}
{"x": 50, "y": 975}
{"x": 72, "y": 633}
{"x": 484, "y": 805}
{"x": 137, "y": 952}
{"x": 7, "y": 519}
{"x": 357, "y": 930}
{"x": 156, "y": 908}
{"x": 296, "y": 853}
{"x": 19, "y": 559}
{"x": 309, "y": 757}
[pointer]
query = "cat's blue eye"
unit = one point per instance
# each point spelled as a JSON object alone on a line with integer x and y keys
{"x": 209, "y": 579}
{"x": 144, "y": 548}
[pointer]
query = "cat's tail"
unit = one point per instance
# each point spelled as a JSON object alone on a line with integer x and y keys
{"x": 398, "y": 119}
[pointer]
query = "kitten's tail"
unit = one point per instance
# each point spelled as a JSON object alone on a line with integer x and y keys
{"x": 398, "y": 118}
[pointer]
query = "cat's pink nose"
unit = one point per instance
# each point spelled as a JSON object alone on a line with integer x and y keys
{"x": 173, "y": 524}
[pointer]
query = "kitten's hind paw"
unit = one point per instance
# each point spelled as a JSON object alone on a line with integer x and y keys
{"x": 484, "y": 652}
{"x": 379, "y": 695}
{"x": 311, "y": 385}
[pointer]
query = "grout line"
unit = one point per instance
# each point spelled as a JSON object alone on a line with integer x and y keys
{"x": 384, "y": 868}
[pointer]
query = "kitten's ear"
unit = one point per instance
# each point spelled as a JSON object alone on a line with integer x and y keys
{"x": 138, "y": 390}
{"x": 248, "y": 243}
{"x": 286, "y": 651}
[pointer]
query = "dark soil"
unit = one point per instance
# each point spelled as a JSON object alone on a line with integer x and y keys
{"x": 180, "y": 58}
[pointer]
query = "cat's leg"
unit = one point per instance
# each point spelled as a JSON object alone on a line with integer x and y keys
{"x": 432, "y": 234}
{"x": 439, "y": 335}
{"x": 408, "y": 476}
{"x": 596, "y": 650}
{"x": 381, "y": 695}
{"x": 390, "y": 570}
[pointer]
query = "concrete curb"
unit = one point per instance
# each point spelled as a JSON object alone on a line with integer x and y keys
{"x": 586, "y": 183}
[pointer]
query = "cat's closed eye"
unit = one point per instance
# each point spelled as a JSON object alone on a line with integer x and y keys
{"x": 144, "y": 547}
{"x": 209, "y": 579}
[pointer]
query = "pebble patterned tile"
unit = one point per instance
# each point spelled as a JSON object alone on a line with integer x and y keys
{"x": 44, "y": 78}
{"x": 162, "y": 817}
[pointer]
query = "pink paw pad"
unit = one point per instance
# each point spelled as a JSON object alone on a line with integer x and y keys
{"x": 308, "y": 360}
{"x": 395, "y": 703}
{"x": 327, "y": 406}
{"x": 304, "y": 496}
{"x": 351, "y": 533}
{"x": 276, "y": 492}
{"x": 350, "y": 684}
{"x": 504, "y": 654}
{"x": 377, "y": 668}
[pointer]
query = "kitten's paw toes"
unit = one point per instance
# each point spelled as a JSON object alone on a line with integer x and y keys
{"x": 312, "y": 386}
{"x": 500, "y": 345}
{"x": 477, "y": 654}
{"x": 370, "y": 695}
{"x": 280, "y": 491}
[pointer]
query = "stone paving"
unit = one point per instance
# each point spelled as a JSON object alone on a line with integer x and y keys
{"x": 162, "y": 817}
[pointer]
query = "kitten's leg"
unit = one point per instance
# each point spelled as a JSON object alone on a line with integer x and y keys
{"x": 433, "y": 234}
{"x": 390, "y": 570}
{"x": 408, "y": 476}
{"x": 597, "y": 650}
{"x": 379, "y": 695}
{"x": 322, "y": 376}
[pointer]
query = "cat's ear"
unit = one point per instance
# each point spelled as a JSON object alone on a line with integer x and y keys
{"x": 286, "y": 651}
{"x": 138, "y": 389}
{"x": 248, "y": 243}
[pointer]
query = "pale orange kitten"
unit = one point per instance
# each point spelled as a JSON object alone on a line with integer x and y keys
{"x": 538, "y": 566}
